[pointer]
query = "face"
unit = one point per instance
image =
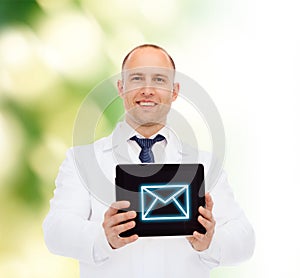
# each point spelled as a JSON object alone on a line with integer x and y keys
{"x": 148, "y": 87}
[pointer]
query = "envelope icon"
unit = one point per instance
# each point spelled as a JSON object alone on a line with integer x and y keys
{"x": 165, "y": 202}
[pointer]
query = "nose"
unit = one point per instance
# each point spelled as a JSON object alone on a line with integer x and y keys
{"x": 147, "y": 90}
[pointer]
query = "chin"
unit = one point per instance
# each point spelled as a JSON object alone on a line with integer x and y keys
{"x": 143, "y": 121}
{"x": 148, "y": 124}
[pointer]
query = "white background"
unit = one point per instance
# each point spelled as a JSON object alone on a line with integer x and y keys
{"x": 249, "y": 64}
{"x": 248, "y": 61}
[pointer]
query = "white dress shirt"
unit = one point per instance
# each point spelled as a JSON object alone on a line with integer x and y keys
{"x": 85, "y": 188}
{"x": 157, "y": 148}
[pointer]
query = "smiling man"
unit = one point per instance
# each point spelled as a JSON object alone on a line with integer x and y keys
{"x": 80, "y": 226}
{"x": 148, "y": 89}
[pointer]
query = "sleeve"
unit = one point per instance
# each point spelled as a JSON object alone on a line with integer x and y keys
{"x": 234, "y": 238}
{"x": 67, "y": 228}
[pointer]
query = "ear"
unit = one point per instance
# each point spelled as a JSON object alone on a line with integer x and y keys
{"x": 175, "y": 92}
{"x": 120, "y": 88}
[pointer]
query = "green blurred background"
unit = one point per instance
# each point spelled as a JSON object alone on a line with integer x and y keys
{"x": 52, "y": 53}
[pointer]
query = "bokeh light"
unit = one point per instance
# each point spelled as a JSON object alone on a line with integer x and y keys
{"x": 11, "y": 145}
{"x": 74, "y": 45}
{"x": 24, "y": 72}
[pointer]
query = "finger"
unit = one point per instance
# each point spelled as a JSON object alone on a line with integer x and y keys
{"x": 205, "y": 213}
{"x": 198, "y": 236}
{"x": 209, "y": 202}
{"x": 117, "y": 230}
{"x": 126, "y": 240}
{"x": 120, "y": 217}
{"x": 208, "y": 225}
{"x": 117, "y": 242}
{"x": 196, "y": 240}
{"x": 191, "y": 240}
{"x": 113, "y": 209}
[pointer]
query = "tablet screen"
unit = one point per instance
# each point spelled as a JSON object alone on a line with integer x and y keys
{"x": 166, "y": 197}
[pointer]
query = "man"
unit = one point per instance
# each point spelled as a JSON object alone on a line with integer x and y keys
{"x": 80, "y": 226}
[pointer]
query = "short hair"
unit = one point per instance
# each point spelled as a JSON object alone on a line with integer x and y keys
{"x": 144, "y": 46}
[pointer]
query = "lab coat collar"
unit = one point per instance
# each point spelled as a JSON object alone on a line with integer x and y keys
{"x": 175, "y": 151}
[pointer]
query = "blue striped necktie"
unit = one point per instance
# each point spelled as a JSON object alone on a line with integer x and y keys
{"x": 146, "y": 154}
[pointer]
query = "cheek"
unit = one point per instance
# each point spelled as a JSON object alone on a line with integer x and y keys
{"x": 128, "y": 101}
{"x": 168, "y": 99}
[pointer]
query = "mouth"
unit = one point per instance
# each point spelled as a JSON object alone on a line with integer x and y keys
{"x": 146, "y": 103}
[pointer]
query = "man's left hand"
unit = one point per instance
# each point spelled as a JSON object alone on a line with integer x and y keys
{"x": 201, "y": 242}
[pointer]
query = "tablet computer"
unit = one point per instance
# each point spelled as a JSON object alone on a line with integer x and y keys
{"x": 166, "y": 197}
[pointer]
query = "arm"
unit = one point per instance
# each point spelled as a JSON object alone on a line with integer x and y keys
{"x": 231, "y": 240}
{"x": 67, "y": 228}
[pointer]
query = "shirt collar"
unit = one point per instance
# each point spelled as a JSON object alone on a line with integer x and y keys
{"x": 164, "y": 131}
{"x": 124, "y": 130}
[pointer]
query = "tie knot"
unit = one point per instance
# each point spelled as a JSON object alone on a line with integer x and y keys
{"x": 146, "y": 142}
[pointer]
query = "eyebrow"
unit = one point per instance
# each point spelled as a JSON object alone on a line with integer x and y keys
{"x": 160, "y": 74}
{"x": 142, "y": 74}
{"x": 136, "y": 73}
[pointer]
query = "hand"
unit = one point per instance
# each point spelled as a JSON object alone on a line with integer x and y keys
{"x": 113, "y": 228}
{"x": 199, "y": 241}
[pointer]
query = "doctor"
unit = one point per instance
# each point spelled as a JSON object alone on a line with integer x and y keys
{"x": 78, "y": 225}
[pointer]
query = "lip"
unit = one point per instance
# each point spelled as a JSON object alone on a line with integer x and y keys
{"x": 146, "y": 103}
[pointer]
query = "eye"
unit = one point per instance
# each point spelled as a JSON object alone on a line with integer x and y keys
{"x": 136, "y": 78}
{"x": 159, "y": 80}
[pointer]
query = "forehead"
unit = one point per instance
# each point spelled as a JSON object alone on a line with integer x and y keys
{"x": 148, "y": 57}
{"x": 149, "y": 71}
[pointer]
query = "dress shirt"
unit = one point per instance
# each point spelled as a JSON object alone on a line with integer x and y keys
{"x": 85, "y": 188}
{"x": 157, "y": 148}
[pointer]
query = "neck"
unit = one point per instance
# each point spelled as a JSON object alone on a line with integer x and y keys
{"x": 146, "y": 130}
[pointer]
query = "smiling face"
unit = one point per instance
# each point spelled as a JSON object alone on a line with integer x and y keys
{"x": 147, "y": 89}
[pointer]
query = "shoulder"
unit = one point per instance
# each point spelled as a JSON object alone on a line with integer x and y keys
{"x": 213, "y": 165}
{"x": 193, "y": 154}
{"x": 88, "y": 150}
{"x": 83, "y": 152}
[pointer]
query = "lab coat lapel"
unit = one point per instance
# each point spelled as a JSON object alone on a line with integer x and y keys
{"x": 118, "y": 144}
{"x": 175, "y": 151}
{"x": 178, "y": 152}
{"x": 183, "y": 155}
{"x": 121, "y": 153}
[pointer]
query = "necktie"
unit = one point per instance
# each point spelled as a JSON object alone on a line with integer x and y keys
{"x": 146, "y": 154}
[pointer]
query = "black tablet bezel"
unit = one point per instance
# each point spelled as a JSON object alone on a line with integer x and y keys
{"x": 130, "y": 178}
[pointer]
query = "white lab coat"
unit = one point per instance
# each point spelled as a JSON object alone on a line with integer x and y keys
{"x": 84, "y": 188}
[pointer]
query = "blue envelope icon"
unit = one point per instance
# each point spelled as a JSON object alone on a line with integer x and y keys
{"x": 165, "y": 202}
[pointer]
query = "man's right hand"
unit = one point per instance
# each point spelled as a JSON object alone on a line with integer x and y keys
{"x": 113, "y": 228}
